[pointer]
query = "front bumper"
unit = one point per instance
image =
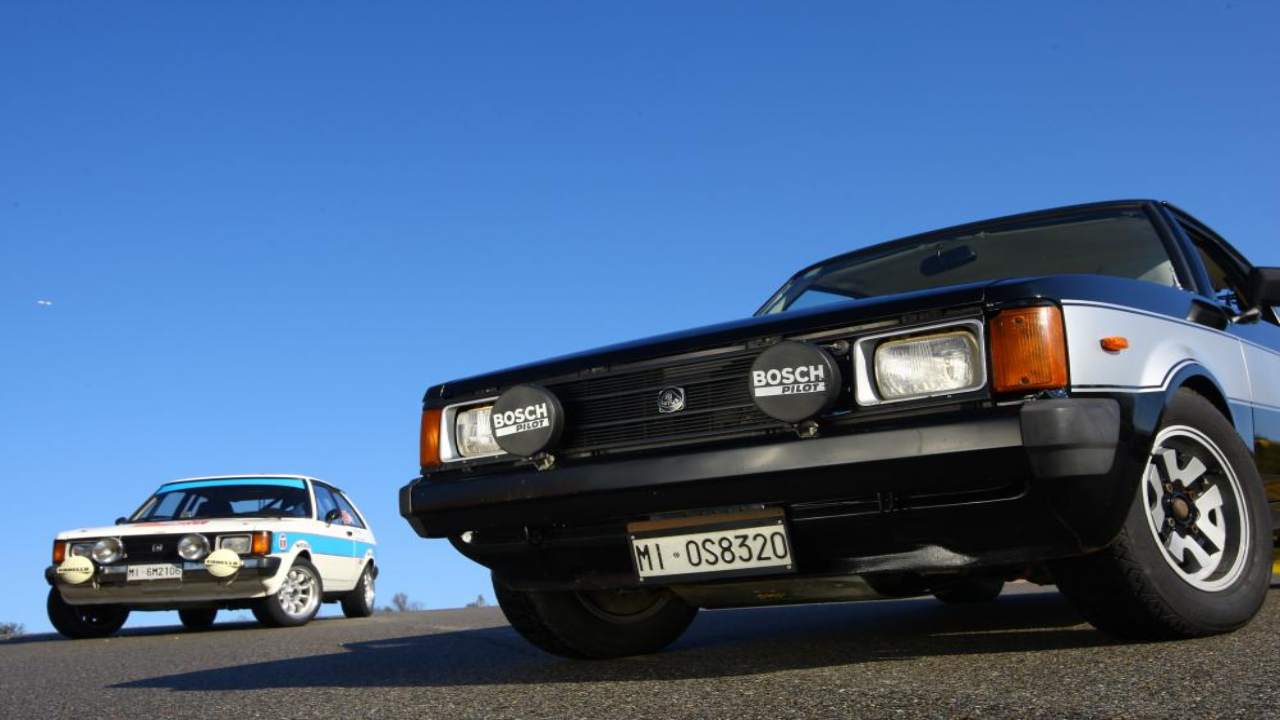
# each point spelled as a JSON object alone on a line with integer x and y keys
{"x": 1010, "y": 485}
{"x": 109, "y": 585}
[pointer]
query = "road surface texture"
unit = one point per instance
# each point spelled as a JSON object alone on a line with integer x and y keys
{"x": 1028, "y": 655}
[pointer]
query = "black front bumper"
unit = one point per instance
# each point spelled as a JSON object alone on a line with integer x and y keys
{"x": 192, "y": 572}
{"x": 1048, "y": 478}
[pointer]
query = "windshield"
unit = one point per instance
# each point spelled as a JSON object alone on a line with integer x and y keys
{"x": 1118, "y": 242}
{"x": 229, "y": 498}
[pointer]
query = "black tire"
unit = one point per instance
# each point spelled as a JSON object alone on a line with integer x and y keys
{"x": 84, "y": 621}
{"x": 359, "y": 603}
{"x": 198, "y": 618}
{"x": 578, "y": 625}
{"x": 1131, "y": 589}
{"x": 970, "y": 590}
{"x": 278, "y": 610}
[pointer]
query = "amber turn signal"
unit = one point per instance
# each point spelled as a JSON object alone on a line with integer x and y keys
{"x": 429, "y": 447}
{"x": 1028, "y": 349}
{"x": 1114, "y": 343}
{"x": 261, "y": 543}
{"x": 59, "y": 552}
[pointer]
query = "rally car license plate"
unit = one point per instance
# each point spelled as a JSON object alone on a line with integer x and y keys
{"x": 160, "y": 571}
{"x": 760, "y": 547}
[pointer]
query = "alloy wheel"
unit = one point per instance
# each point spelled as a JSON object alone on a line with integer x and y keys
{"x": 1195, "y": 509}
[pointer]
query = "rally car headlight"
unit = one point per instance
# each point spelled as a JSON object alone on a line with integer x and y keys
{"x": 107, "y": 550}
{"x": 82, "y": 549}
{"x": 238, "y": 544}
{"x": 193, "y": 547}
{"x": 928, "y": 365}
{"x": 473, "y": 434}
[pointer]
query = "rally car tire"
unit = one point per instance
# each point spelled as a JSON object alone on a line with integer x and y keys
{"x": 198, "y": 618}
{"x": 1202, "y": 486}
{"x": 597, "y": 625}
{"x": 359, "y": 603}
{"x": 84, "y": 621}
{"x": 296, "y": 602}
{"x": 970, "y": 590}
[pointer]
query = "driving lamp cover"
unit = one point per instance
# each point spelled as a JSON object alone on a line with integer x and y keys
{"x": 794, "y": 381}
{"x": 526, "y": 420}
{"x": 223, "y": 563}
{"x": 75, "y": 570}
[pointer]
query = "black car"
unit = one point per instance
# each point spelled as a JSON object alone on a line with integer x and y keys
{"x": 1087, "y": 396}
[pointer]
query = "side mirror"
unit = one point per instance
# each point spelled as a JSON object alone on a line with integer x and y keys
{"x": 333, "y": 516}
{"x": 1264, "y": 287}
{"x": 122, "y": 520}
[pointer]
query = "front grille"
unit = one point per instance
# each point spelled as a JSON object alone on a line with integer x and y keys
{"x": 139, "y": 548}
{"x": 620, "y": 409}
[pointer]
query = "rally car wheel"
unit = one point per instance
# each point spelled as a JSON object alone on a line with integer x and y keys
{"x": 360, "y": 602}
{"x": 198, "y": 618}
{"x": 970, "y": 590}
{"x": 84, "y": 621}
{"x": 297, "y": 600}
{"x": 1194, "y": 555}
{"x": 596, "y": 625}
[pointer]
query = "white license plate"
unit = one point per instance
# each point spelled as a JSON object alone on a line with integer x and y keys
{"x": 757, "y": 548}
{"x": 159, "y": 571}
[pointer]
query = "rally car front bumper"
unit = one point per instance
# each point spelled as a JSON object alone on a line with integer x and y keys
{"x": 110, "y": 585}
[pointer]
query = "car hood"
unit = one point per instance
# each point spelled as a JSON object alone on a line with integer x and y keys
{"x": 834, "y": 315}
{"x": 176, "y": 527}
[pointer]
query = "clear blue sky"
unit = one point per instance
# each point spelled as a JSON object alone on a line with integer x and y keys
{"x": 266, "y": 228}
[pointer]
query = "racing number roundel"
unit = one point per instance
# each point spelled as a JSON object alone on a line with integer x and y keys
{"x": 794, "y": 381}
{"x": 526, "y": 420}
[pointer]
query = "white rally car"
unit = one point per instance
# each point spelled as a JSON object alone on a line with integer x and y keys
{"x": 276, "y": 544}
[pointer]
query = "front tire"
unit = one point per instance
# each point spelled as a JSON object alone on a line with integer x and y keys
{"x": 297, "y": 600}
{"x": 1194, "y": 555}
{"x": 82, "y": 622}
{"x": 598, "y": 624}
{"x": 359, "y": 603}
{"x": 198, "y": 618}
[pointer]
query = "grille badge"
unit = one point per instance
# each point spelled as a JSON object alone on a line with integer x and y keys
{"x": 670, "y": 400}
{"x": 157, "y": 547}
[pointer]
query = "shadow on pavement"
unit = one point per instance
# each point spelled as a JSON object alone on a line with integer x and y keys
{"x": 721, "y": 643}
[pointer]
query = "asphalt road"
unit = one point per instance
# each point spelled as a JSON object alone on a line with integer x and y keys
{"x": 1027, "y": 655}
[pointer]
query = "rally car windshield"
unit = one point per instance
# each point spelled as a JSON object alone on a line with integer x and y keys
{"x": 1117, "y": 242}
{"x": 208, "y": 500}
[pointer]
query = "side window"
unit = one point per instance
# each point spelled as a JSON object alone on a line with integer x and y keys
{"x": 349, "y": 515}
{"x": 1224, "y": 275}
{"x": 325, "y": 502}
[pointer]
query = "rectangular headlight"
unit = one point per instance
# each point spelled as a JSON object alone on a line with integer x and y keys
{"x": 82, "y": 549}
{"x": 928, "y": 365}
{"x": 239, "y": 544}
{"x": 472, "y": 434}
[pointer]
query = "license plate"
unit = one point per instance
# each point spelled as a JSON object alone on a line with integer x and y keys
{"x": 755, "y": 547}
{"x": 160, "y": 571}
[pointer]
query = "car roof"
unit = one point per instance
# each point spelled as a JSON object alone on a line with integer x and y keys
{"x": 304, "y": 478}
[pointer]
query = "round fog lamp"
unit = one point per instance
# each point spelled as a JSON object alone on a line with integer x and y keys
{"x": 193, "y": 547}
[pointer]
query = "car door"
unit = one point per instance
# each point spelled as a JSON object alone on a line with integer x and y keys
{"x": 332, "y": 545}
{"x": 358, "y": 528}
{"x": 1225, "y": 276}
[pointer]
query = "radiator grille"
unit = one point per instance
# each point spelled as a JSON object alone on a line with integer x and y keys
{"x": 620, "y": 409}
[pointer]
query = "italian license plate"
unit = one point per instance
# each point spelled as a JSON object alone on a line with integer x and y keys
{"x": 714, "y": 546}
{"x": 159, "y": 571}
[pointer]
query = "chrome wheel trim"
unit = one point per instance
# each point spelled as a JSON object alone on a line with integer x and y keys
{"x": 1196, "y": 509}
{"x": 369, "y": 594}
{"x": 298, "y": 594}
